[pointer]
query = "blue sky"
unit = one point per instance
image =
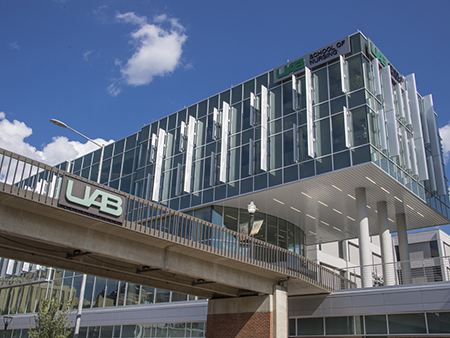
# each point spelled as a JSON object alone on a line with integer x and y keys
{"x": 108, "y": 67}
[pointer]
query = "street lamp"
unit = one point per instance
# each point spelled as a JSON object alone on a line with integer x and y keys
{"x": 83, "y": 281}
{"x": 251, "y": 208}
{"x": 6, "y": 320}
{"x": 63, "y": 125}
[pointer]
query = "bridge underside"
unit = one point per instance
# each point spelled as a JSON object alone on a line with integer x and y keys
{"x": 50, "y": 236}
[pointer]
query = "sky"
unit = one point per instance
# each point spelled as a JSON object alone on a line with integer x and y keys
{"x": 108, "y": 67}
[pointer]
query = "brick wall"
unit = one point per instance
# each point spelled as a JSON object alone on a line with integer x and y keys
{"x": 240, "y": 325}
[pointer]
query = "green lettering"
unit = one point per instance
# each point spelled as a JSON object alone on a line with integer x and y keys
{"x": 292, "y": 67}
{"x": 376, "y": 52}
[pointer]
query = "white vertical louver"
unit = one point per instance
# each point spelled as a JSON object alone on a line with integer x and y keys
{"x": 264, "y": 119}
{"x": 435, "y": 145}
{"x": 224, "y": 143}
{"x": 153, "y": 147}
{"x": 401, "y": 108}
{"x": 347, "y": 128}
{"x": 252, "y": 109}
{"x": 182, "y": 136}
{"x": 417, "y": 127}
{"x": 406, "y": 105}
{"x": 406, "y": 149}
{"x": 215, "y": 124}
{"x": 158, "y": 165}
{"x": 294, "y": 93}
{"x": 343, "y": 68}
{"x": 189, "y": 154}
{"x": 376, "y": 76}
{"x": 380, "y": 112}
{"x": 309, "y": 113}
{"x": 389, "y": 108}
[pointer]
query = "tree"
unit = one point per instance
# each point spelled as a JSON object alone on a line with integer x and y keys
{"x": 50, "y": 322}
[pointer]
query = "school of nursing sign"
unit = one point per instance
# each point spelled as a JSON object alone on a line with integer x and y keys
{"x": 313, "y": 59}
{"x": 82, "y": 196}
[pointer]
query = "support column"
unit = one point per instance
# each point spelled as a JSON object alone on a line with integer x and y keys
{"x": 263, "y": 316}
{"x": 403, "y": 249}
{"x": 387, "y": 257}
{"x": 365, "y": 256}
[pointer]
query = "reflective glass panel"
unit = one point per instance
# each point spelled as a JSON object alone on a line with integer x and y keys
{"x": 339, "y": 325}
{"x": 310, "y": 326}
{"x": 407, "y": 323}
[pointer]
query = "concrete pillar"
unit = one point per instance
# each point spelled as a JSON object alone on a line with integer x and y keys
{"x": 365, "y": 254}
{"x": 403, "y": 249}
{"x": 263, "y": 316}
{"x": 387, "y": 256}
{"x": 280, "y": 312}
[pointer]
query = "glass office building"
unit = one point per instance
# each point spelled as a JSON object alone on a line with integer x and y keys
{"x": 331, "y": 110}
{"x": 297, "y": 140}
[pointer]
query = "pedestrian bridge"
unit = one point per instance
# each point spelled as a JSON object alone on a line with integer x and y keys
{"x": 53, "y": 218}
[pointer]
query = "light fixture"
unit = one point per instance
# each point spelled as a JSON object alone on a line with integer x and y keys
{"x": 58, "y": 123}
{"x": 278, "y": 201}
{"x": 295, "y": 209}
{"x": 305, "y": 194}
{"x": 385, "y": 190}
{"x": 336, "y": 187}
{"x": 371, "y": 180}
{"x": 251, "y": 208}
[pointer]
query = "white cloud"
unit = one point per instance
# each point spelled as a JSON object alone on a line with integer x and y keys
{"x": 13, "y": 135}
{"x": 114, "y": 89}
{"x": 86, "y": 55}
{"x": 14, "y": 45}
{"x": 158, "y": 49}
{"x": 100, "y": 14}
{"x": 445, "y": 135}
{"x": 130, "y": 17}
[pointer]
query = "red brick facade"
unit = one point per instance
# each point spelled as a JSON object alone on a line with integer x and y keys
{"x": 240, "y": 325}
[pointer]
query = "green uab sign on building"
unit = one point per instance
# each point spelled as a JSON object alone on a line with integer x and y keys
{"x": 318, "y": 57}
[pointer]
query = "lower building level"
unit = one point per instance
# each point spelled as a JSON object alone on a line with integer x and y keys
{"x": 115, "y": 309}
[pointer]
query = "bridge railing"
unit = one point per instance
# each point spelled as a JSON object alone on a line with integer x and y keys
{"x": 416, "y": 271}
{"x": 42, "y": 183}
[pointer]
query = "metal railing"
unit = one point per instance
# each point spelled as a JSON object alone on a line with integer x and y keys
{"x": 33, "y": 180}
{"x": 418, "y": 271}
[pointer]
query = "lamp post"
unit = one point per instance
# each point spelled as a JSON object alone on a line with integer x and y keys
{"x": 83, "y": 281}
{"x": 251, "y": 208}
{"x": 101, "y": 146}
{"x": 6, "y": 320}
